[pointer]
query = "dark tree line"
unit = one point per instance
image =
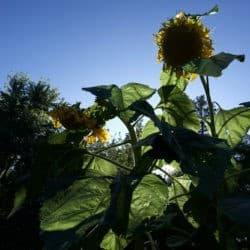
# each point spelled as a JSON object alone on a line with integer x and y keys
{"x": 24, "y": 107}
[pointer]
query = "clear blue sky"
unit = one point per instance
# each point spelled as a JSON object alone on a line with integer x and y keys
{"x": 80, "y": 43}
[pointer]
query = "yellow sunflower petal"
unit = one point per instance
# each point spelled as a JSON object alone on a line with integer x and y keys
{"x": 102, "y": 134}
{"x": 91, "y": 139}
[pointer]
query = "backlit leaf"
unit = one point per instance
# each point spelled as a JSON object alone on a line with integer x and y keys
{"x": 212, "y": 66}
{"x": 232, "y": 125}
{"x": 71, "y": 207}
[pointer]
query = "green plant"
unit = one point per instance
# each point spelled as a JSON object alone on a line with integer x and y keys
{"x": 91, "y": 201}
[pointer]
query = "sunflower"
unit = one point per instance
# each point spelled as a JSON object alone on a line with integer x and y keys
{"x": 181, "y": 40}
{"x": 100, "y": 133}
{"x": 72, "y": 118}
{"x": 66, "y": 116}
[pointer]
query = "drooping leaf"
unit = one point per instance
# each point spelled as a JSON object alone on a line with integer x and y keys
{"x": 111, "y": 241}
{"x": 144, "y": 108}
{"x": 178, "y": 109}
{"x": 232, "y": 125}
{"x": 76, "y": 205}
{"x": 237, "y": 207}
{"x": 149, "y": 200}
{"x": 245, "y": 104}
{"x": 212, "y": 66}
{"x": 205, "y": 157}
{"x": 200, "y": 155}
{"x": 103, "y": 91}
{"x": 122, "y": 98}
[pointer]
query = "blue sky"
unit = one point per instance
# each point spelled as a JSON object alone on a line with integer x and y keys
{"x": 80, "y": 43}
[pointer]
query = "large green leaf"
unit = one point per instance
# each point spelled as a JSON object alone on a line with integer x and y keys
{"x": 179, "y": 190}
{"x": 237, "y": 208}
{"x": 113, "y": 242}
{"x": 178, "y": 109}
{"x": 212, "y": 66}
{"x": 205, "y": 157}
{"x": 149, "y": 201}
{"x": 232, "y": 125}
{"x": 78, "y": 203}
{"x": 117, "y": 215}
{"x": 122, "y": 98}
{"x": 169, "y": 77}
{"x": 96, "y": 166}
{"x": 200, "y": 156}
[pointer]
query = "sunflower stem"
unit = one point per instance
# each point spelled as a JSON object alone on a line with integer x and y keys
{"x": 133, "y": 137}
{"x": 205, "y": 83}
{"x": 151, "y": 240}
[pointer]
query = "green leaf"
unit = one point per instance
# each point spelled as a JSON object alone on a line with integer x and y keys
{"x": 179, "y": 193}
{"x": 122, "y": 98}
{"x": 245, "y": 104}
{"x": 169, "y": 77}
{"x": 117, "y": 214}
{"x": 20, "y": 198}
{"x": 205, "y": 157}
{"x": 113, "y": 242}
{"x": 58, "y": 138}
{"x": 237, "y": 208}
{"x": 212, "y": 66}
{"x": 232, "y": 125}
{"x": 98, "y": 167}
{"x": 103, "y": 91}
{"x": 149, "y": 129}
{"x": 149, "y": 200}
{"x": 179, "y": 190}
{"x": 75, "y": 205}
{"x": 178, "y": 109}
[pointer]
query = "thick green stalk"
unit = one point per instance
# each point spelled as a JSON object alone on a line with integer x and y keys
{"x": 152, "y": 242}
{"x": 205, "y": 84}
{"x": 220, "y": 191}
{"x": 133, "y": 137}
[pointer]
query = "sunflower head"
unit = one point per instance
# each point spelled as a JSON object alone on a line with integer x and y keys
{"x": 98, "y": 133}
{"x": 72, "y": 117}
{"x": 66, "y": 116}
{"x": 181, "y": 40}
